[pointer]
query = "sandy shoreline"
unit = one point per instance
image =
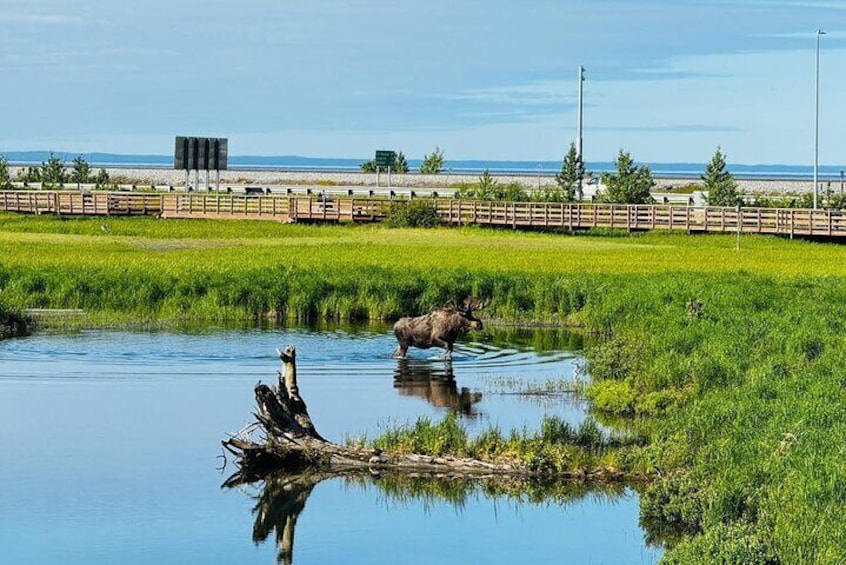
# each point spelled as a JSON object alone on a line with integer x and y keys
{"x": 157, "y": 176}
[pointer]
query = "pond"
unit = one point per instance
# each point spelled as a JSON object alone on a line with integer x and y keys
{"x": 111, "y": 444}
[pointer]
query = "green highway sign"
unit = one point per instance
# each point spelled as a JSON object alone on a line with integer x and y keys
{"x": 385, "y": 159}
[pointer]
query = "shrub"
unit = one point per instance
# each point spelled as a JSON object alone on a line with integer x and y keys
{"x": 413, "y": 214}
{"x": 433, "y": 163}
{"x": 12, "y": 323}
{"x": 726, "y": 543}
{"x": 488, "y": 188}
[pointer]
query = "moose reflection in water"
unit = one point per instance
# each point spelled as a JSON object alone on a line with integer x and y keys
{"x": 435, "y": 383}
{"x": 439, "y": 328}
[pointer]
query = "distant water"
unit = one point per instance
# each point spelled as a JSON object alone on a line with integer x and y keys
{"x": 471, "y": 166}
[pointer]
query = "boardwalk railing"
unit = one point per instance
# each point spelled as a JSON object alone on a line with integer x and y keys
{"x": 785, "y": 221}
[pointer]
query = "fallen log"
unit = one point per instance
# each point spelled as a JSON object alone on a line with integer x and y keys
{"x": 291, "y": 442}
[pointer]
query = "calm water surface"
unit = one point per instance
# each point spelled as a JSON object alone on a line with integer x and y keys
{"x": 111, "y": 440}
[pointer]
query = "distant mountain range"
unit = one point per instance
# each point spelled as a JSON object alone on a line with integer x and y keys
{"x": 295, "y": 162}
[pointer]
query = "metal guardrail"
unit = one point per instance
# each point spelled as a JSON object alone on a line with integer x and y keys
{"x": 784, "y": 221}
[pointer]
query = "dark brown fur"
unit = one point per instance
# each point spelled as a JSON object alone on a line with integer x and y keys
{"x": 439, "y": 328}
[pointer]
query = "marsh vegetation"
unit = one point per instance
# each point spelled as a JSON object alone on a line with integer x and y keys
{"x": 729, "y": 364}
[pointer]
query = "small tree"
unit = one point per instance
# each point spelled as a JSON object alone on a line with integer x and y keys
{"x": 5, "y": 179}
{"x": 630, "y": 184}
{"x": 53, "y": 172}
{"x": 29, "y": 174}
{"x": 487, "y": 185}
{"x": 400, "y": 164}
{"x": 720, "y": 184}
{"x": 433, "y": 163}
{"x": 488, "y": 188}
{"x": 102, "y": 179}
{"x": 81, "y": 173}
{"x": 572, "y": 171}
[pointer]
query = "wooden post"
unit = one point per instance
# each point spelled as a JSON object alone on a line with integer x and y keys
{"x": 739, "y": 226}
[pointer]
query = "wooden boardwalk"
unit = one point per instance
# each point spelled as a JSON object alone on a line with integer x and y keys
{"x": 783, "y": 221}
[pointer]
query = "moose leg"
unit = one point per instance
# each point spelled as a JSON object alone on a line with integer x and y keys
{"x": 446, "y": 345}
{"x": 400, "y": 351}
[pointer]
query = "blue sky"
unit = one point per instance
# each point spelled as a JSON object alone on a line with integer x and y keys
{"x": 667, "y": 80}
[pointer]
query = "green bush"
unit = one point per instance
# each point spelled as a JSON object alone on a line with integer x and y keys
{"x": 726, "y": 544}
{"x": 413, "y": 214}
{"x": 488, "y": 188}
{"x": 433, "y": 163}
{"x": 12, "y": 323}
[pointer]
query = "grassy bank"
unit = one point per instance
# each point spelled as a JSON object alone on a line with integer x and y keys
{"x": 141, "y": 269}
{"x": 733, "y": 360}
{"x": 12, "y": 322}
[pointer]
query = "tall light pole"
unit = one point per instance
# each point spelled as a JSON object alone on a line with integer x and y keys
{"x": 817, "y": 120}
{"x": 579, "y": 127}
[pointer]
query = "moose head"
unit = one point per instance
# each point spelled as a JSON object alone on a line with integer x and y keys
{"x": 439, "y": 328}
{"x": 465, "y": 312}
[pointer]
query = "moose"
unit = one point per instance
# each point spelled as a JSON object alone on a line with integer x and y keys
{"x": 439, "y": 328}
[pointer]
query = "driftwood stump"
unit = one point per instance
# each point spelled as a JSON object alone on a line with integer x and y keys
{"x": 291, "y": 442}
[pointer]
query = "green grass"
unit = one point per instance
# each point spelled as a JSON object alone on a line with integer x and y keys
{"x": 12, "y": 322}
{"x": 143, "y": 269}
{"x": 733, "y": 361}
{"x": 556, "y": 450}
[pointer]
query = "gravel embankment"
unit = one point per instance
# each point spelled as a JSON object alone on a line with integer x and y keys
{"x": 148, "y": 176}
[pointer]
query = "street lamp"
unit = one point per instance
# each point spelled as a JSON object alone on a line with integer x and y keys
{"x": 817, "y": 120}
{"x": 579, "y": 129}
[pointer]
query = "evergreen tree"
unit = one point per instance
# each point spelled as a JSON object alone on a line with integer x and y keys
{"x": 102, "y": 179}
{"x": 720, "y": 184}
{"x": 368, "y": 166}
{"x": 53, "y": 172}
{"x": 433, "y": 163}
{"x": 400, "y": 163}
{"x": 572, "y": 170}
{"x": 81, "y": 173}
{"x": 630, "y": 184}
{"x": 29, "y": 174}
{"x": 5, "y": 179}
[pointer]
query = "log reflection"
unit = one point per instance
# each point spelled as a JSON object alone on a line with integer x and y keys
{"x": 281, "y": 498}
{"x": 435, "y": 383}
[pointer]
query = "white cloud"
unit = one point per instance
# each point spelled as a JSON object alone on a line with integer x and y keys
{"x": 531, "y": 94}
{"x": 39, "y": 19}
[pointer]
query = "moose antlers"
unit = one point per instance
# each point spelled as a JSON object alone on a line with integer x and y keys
{"x": 473, "y": 304}
{"x": 469, "y": 304}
